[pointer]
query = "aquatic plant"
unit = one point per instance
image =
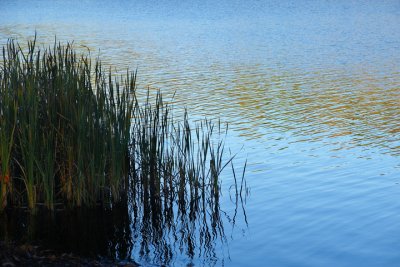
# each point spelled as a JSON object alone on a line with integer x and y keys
{"x": 72, "y": 134}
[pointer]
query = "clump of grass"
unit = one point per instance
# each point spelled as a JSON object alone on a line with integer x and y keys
{"x": 72, "y": 134}
{"x": 65, "y": 131}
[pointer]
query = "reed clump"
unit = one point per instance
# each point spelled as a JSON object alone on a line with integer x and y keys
{"x": 73, "y": 135}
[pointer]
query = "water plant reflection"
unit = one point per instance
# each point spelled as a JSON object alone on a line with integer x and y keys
{"x": 158, "y": 230}
{"x": 175, "y": 187}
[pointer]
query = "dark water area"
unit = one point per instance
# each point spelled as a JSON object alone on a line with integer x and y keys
{"x": 311, "y": 92}
{"x": 85, "y": 232}
{"x": 156, "y": 231}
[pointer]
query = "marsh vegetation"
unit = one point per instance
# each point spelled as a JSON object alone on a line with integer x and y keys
{"x": 72, "y": 134}
{"x": 76, "y": 140}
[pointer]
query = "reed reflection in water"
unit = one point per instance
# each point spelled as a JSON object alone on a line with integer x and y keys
{"x": 163, "y": 230}
{"x": 152, "y": 229}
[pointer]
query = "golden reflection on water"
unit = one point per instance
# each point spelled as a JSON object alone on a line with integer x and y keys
{"x": 318, "y": 106}
{"x": 357, "y": 103}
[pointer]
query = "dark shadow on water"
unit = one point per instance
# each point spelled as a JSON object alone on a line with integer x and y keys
{"x": 87, "y": 232}
{"x": 147, "y": 228}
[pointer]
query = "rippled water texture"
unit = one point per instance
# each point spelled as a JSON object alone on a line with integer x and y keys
{"x": 311, "y": 90}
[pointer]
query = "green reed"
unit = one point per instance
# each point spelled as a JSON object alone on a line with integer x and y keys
{"x": 72, "y": 134}
{"x": 8, "y": 110}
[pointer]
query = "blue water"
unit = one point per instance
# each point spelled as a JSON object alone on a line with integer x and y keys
{"x": 310, "y": 89}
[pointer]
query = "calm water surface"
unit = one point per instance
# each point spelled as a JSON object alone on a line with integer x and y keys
{"x": 310, "y": 89}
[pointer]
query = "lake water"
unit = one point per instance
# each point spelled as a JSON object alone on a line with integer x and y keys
{"x": 310, "y": 89}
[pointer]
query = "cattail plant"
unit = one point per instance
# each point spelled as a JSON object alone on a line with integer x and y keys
{"x": 73, "y": 134}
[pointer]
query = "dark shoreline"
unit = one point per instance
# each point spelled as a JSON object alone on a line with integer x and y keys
{"x": 12, "y": 254}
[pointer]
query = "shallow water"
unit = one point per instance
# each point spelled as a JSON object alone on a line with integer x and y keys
{"x": 310, "y": 89}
